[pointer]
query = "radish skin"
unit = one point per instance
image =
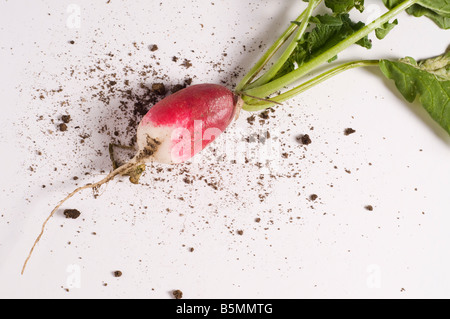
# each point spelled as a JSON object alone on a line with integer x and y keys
{"x": 174, "y": 130}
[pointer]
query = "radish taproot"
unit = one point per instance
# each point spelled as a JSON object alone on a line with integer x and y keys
{"x": 182, "y": 124}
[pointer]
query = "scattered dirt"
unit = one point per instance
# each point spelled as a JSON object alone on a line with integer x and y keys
{"x": 178, "y": 294}
{"x": 304, "y": 139}
{"x": 72, "y": 213}
{"x": 159, "y": 88}
{"x": 117, "y": 273}
{"x": 186, "y": 63}
{"x": 349, "y": 131}
{"x": 66, "y": 119}
{"x": 264, "y": 114}
{"x": 177, "y": 87}
{"x": 62, "y": 127}
{"x": 369, "y": 207}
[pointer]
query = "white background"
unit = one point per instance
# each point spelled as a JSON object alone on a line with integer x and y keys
{"x": 332, "y": 247}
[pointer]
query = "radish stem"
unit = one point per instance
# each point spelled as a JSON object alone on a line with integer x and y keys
{"x": 271, "y": 87}
{"x": 270, "y": 52}
{"x": 269, "y": 74}
{"x": 307, "y": 85}
{"x": 259, "y": 99}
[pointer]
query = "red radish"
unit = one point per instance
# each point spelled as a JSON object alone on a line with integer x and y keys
{"x": 184, "y": 123}
{"x": 174, "y": 130}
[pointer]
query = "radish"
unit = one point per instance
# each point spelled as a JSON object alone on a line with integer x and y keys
{"x": 182, "y": 124}
{"x": 175, "y": 129}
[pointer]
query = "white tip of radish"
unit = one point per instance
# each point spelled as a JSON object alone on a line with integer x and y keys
{"x": 162, "y": 152}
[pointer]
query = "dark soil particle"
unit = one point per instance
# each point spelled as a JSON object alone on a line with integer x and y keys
{"x": 186, "y": 63}
{"x": 117, "y": 273}
{"x": 72, "y": 213}
{"x": 240, "y": 232}
{"x": 62, "y": 127}
{"x": 178, "y": 294}
{"x": 159, "y": 88}
{"x": 251, "y": 120}
{"x": 369, "y": 207}
{"x": 313, "y": 197}
{"x": 177, "y": 88}
{"x": 264, "y": 115}
{"x": 349, "y": 131}
{"x": 257, "y": 219}
{"x": 153, "y": 47}
{"x": 66, "y": 119}
{"x": 304, "y": 139}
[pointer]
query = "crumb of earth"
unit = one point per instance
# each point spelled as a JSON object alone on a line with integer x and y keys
{"x": 304, "y": 139}
{"x": 72, "y": 213}
{"x": 178, "y": 294}
{"x": 62, "y": 127}
{"x": 159, "y": 88}
{"x": 349, "y": 131}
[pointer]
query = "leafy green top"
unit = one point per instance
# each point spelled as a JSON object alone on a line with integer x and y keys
{"x": 436, "y": 10}
{"x": 329, "y": 30}
{"x": 318, "y": 39}
{"x": 427, "y": 80}
{"x": 340, "y": 6}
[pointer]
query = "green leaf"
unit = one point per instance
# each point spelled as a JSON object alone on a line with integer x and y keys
{"x": 436, "y": 10}
{"x": 441, "y": 7}
{"x": 428, "y": 81}
{"x": 392, "y": 3}
{"x": 382, "y": 32}
{"x": 327, "y": 20}
{"x": 344, "y": 6}
{"x": 441, "y": 19}
{"x": 329, "y": 30}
